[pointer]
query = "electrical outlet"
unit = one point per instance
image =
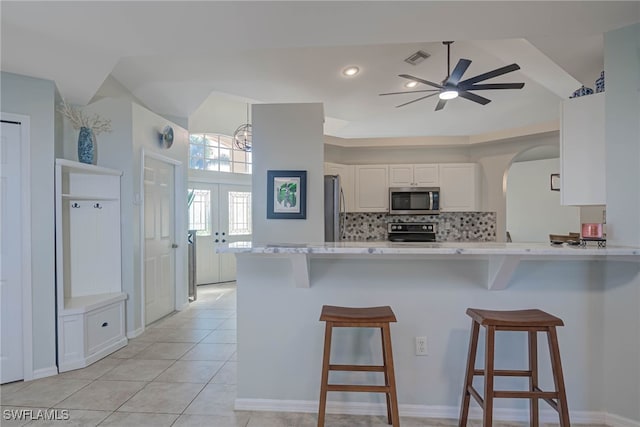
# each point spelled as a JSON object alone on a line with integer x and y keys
{"x": 421, "y": 346}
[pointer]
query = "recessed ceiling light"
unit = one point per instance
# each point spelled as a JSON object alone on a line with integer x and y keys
{"x": 411, "y": 84}
{"x": 351, "y": 71}
{"x": 448, "y": 94}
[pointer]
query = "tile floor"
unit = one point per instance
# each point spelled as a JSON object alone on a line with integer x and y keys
{"x": 180, "y": 372}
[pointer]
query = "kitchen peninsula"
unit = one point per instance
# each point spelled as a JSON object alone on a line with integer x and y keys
{"x": 282, "y": 287}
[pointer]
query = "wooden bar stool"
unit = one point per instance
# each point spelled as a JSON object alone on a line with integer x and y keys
{"x": 369, "y": 317}
{"x": 531, "y": 321}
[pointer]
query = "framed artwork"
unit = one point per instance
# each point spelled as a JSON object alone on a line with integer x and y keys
{"x": 286, "y": 194}
{"x": 555, "y": 182}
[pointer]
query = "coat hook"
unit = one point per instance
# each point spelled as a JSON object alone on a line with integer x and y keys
{"x": 97, "y": 206}
{"x": 75, "y": 205}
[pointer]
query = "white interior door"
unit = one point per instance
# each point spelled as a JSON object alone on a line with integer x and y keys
{"x": 11, "y": 356}
{"x": 159, "y": 250}
{"x": 221, "y": 213}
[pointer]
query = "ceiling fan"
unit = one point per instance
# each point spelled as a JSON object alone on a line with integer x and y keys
{"x": 452, "y": 87}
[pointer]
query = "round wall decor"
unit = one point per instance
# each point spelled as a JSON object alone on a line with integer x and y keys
{"x": 166, "y": 137}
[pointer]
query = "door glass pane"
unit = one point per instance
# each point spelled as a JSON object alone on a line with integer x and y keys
{"x": 200, "y": 212}
{"x": 239, "y": 213}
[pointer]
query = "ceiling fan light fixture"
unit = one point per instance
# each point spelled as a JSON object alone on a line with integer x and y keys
{"x": 448, "y": 94}
{"x": 411, "y": 84}
{"x": 351, "y": 71}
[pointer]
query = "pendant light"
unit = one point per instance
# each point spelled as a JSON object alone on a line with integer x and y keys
{"x": 242, "y": 135}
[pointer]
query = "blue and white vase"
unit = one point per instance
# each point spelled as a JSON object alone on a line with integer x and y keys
{"x": 582, "y": 92}
{"x": 600, "y": 83}
{"x": 86, "y": 146}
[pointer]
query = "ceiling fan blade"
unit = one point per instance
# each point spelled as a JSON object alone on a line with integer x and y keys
{"x": 415, "y": 100}
{"x": 407, "y": 91}
{"x": 490, "y": 74}
{"x": 491, "y": 86}
{"x": 416, "y": 79}
{"x": 473, "y": 97}
{"x": 457, "y": 72}
{"x": 441, "y": 104}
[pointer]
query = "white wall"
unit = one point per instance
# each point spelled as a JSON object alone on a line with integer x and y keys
{"x": 429, "y": 298}
{"x": 288, "y": 137}
{"x": 398, "y": 154}
{"x": 135, "y": 127}
{"x": 36, "y": 98}
{"x": 218, "y": 114}
{"x": 622, "y": 299}
{"x": 533, "y": 210}
{"x": 146, "y": 127}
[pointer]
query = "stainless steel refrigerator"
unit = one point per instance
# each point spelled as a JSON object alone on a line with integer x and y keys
{"x": 333, "y": 209}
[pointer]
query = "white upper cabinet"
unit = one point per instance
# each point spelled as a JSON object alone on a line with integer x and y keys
{"x": 372, "y": 188}
{"x": 425, "y": 175}
{"x": 459, "y": 187}
{"x": 582, "y": 151}
{"x": 346, "y": 173}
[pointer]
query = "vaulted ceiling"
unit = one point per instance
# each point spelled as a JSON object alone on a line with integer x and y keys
{"x": 173, "y": 54}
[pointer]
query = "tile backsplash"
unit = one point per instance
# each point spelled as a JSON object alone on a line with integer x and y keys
{"x": 450, "y": 226}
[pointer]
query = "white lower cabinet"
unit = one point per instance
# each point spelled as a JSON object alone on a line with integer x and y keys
{"x": 88, "y": 336}
{"x": 459, "y": 187}
{"x": 372, "y": 188}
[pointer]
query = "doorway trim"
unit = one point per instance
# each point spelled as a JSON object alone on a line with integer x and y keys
{"x": 179, "y": 199}
{"x": 25, "y": 207}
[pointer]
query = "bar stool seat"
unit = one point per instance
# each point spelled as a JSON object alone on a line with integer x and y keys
{"x": 531, "y": 321}
{"x": 361, "y": 317}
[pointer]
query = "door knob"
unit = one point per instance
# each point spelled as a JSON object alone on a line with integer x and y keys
{"x": 174, "y": 246}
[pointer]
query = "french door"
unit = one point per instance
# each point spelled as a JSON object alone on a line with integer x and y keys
{"x": 221, "y": 214}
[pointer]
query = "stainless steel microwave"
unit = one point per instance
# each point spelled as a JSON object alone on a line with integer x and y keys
{"x": 414, "y": 200}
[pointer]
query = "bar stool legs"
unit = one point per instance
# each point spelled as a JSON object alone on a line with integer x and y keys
{"x": 373, "y": 317}
{"x": 532, "y": 322}
{"x": 325, "y": 373}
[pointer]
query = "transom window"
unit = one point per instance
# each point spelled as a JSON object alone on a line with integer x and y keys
{"x": 214, "y": 152}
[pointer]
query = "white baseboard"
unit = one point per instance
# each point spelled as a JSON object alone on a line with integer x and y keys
{"x": 136, "y": 333}
{"x": 618, "y": 421}
{"x": 45, "y": 372}
{"x": 422, "y": 411}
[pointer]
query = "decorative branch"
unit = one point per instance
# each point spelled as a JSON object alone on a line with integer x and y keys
{"x": 79, "y": 119}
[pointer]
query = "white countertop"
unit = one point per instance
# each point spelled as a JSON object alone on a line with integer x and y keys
{"x": 444, "y": 248}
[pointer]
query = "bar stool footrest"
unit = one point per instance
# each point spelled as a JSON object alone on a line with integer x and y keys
{"x": 359, "y": 388}
{"x": 354, "y": 368}
{"x": 503, "y": 373}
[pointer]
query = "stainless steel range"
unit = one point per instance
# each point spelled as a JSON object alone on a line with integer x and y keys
{"x": 411, "y": 231}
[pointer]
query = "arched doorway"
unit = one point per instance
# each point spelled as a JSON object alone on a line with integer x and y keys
{"x": 533, "y": 210}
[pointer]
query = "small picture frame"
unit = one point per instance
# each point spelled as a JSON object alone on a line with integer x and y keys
{"x": 555, "y": 182}
{"x": 286, "y": 194}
